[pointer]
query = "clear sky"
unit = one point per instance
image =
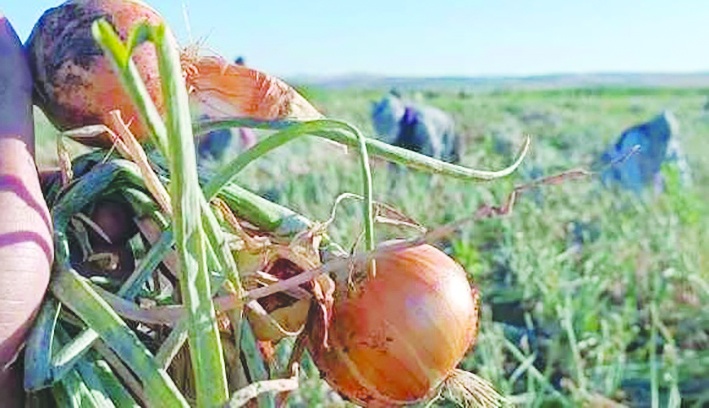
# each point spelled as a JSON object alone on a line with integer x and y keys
{"x": 437, "y": 38}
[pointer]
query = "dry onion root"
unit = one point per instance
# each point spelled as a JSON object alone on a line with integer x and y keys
{"x": 221, "y": 90}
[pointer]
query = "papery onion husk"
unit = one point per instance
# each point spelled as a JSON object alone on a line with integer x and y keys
{"x": 220, "y": 89}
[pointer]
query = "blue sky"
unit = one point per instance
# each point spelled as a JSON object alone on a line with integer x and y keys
{"x": 438, "y": 38}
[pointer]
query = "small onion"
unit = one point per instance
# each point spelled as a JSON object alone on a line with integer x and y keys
{"x": 288, "y": 313}
{"x": 397, "y": 337}
{"x": 75, "y": 83}
{"x": 115, "y": 221}
{"x": 283, "y": 314}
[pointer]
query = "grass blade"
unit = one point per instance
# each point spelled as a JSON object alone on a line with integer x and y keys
{"x": 88, "y": 376}
{"x": 342, "y": 132}
{"x": 74, "y": 292}
{"x": 72, "y": 392}
{"x": 191, "y": 242}
{"x": 121, "y": 371}
{"x": 38, "y": 353}
{"x": 255, "y": 364}
{"x": 72, "y": 352}
{"x": 172, "y": 344}
{"x": 109, "y": 41}
{"x": 206, "y": 353}
{"x": 114, "y": 389}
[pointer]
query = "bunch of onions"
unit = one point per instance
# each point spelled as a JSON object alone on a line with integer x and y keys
{"x": 76, "y": 86}
{"x": 396, "y": 337}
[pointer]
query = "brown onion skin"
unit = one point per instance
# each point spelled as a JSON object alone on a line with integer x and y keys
{"x": 75, "y": 84}
{"x": 399, "y": 335}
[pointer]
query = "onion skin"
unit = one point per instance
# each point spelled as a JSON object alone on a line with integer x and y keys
{"x": 26, "y": 249}
{"x": 220, "y": 89}
{"x": 398, "y": 336}
{"x": 75, "y": 83}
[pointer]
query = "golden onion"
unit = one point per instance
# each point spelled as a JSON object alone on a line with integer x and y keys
{"x": 395, "y": 338}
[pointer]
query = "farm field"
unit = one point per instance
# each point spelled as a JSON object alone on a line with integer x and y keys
{"x": 590, "y": 296}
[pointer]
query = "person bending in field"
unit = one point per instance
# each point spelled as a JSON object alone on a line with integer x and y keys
{"x": 653, "y": 144}
{"x": 416, "y": 127}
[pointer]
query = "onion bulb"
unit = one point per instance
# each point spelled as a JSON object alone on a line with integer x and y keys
{"x": 114, "y": 219}
{"x": 396, "y": 337}
{"x": 75, "y": 83}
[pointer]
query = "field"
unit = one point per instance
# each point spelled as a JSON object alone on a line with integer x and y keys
{"x": 590, "y": 295}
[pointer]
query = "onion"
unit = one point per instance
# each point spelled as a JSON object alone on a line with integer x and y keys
{"x": 287, "y": 312}
{"x": 283, "y": 314}
{"x": 115, "y": 221}
{"x": 220, "y": 89}
{"x": 75, "y": 84}
{"x": 395, "y": 338}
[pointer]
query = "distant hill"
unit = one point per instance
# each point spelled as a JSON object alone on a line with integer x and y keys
{"x": 555, "y": 81}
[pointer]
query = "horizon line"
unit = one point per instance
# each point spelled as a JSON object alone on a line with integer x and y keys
{"x": 500, "y": 75}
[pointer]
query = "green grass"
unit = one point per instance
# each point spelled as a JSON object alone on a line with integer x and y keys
{"x": 621, "y": 317}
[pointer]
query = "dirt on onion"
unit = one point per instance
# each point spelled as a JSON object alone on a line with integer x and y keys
{"x": 75, "y": 84}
